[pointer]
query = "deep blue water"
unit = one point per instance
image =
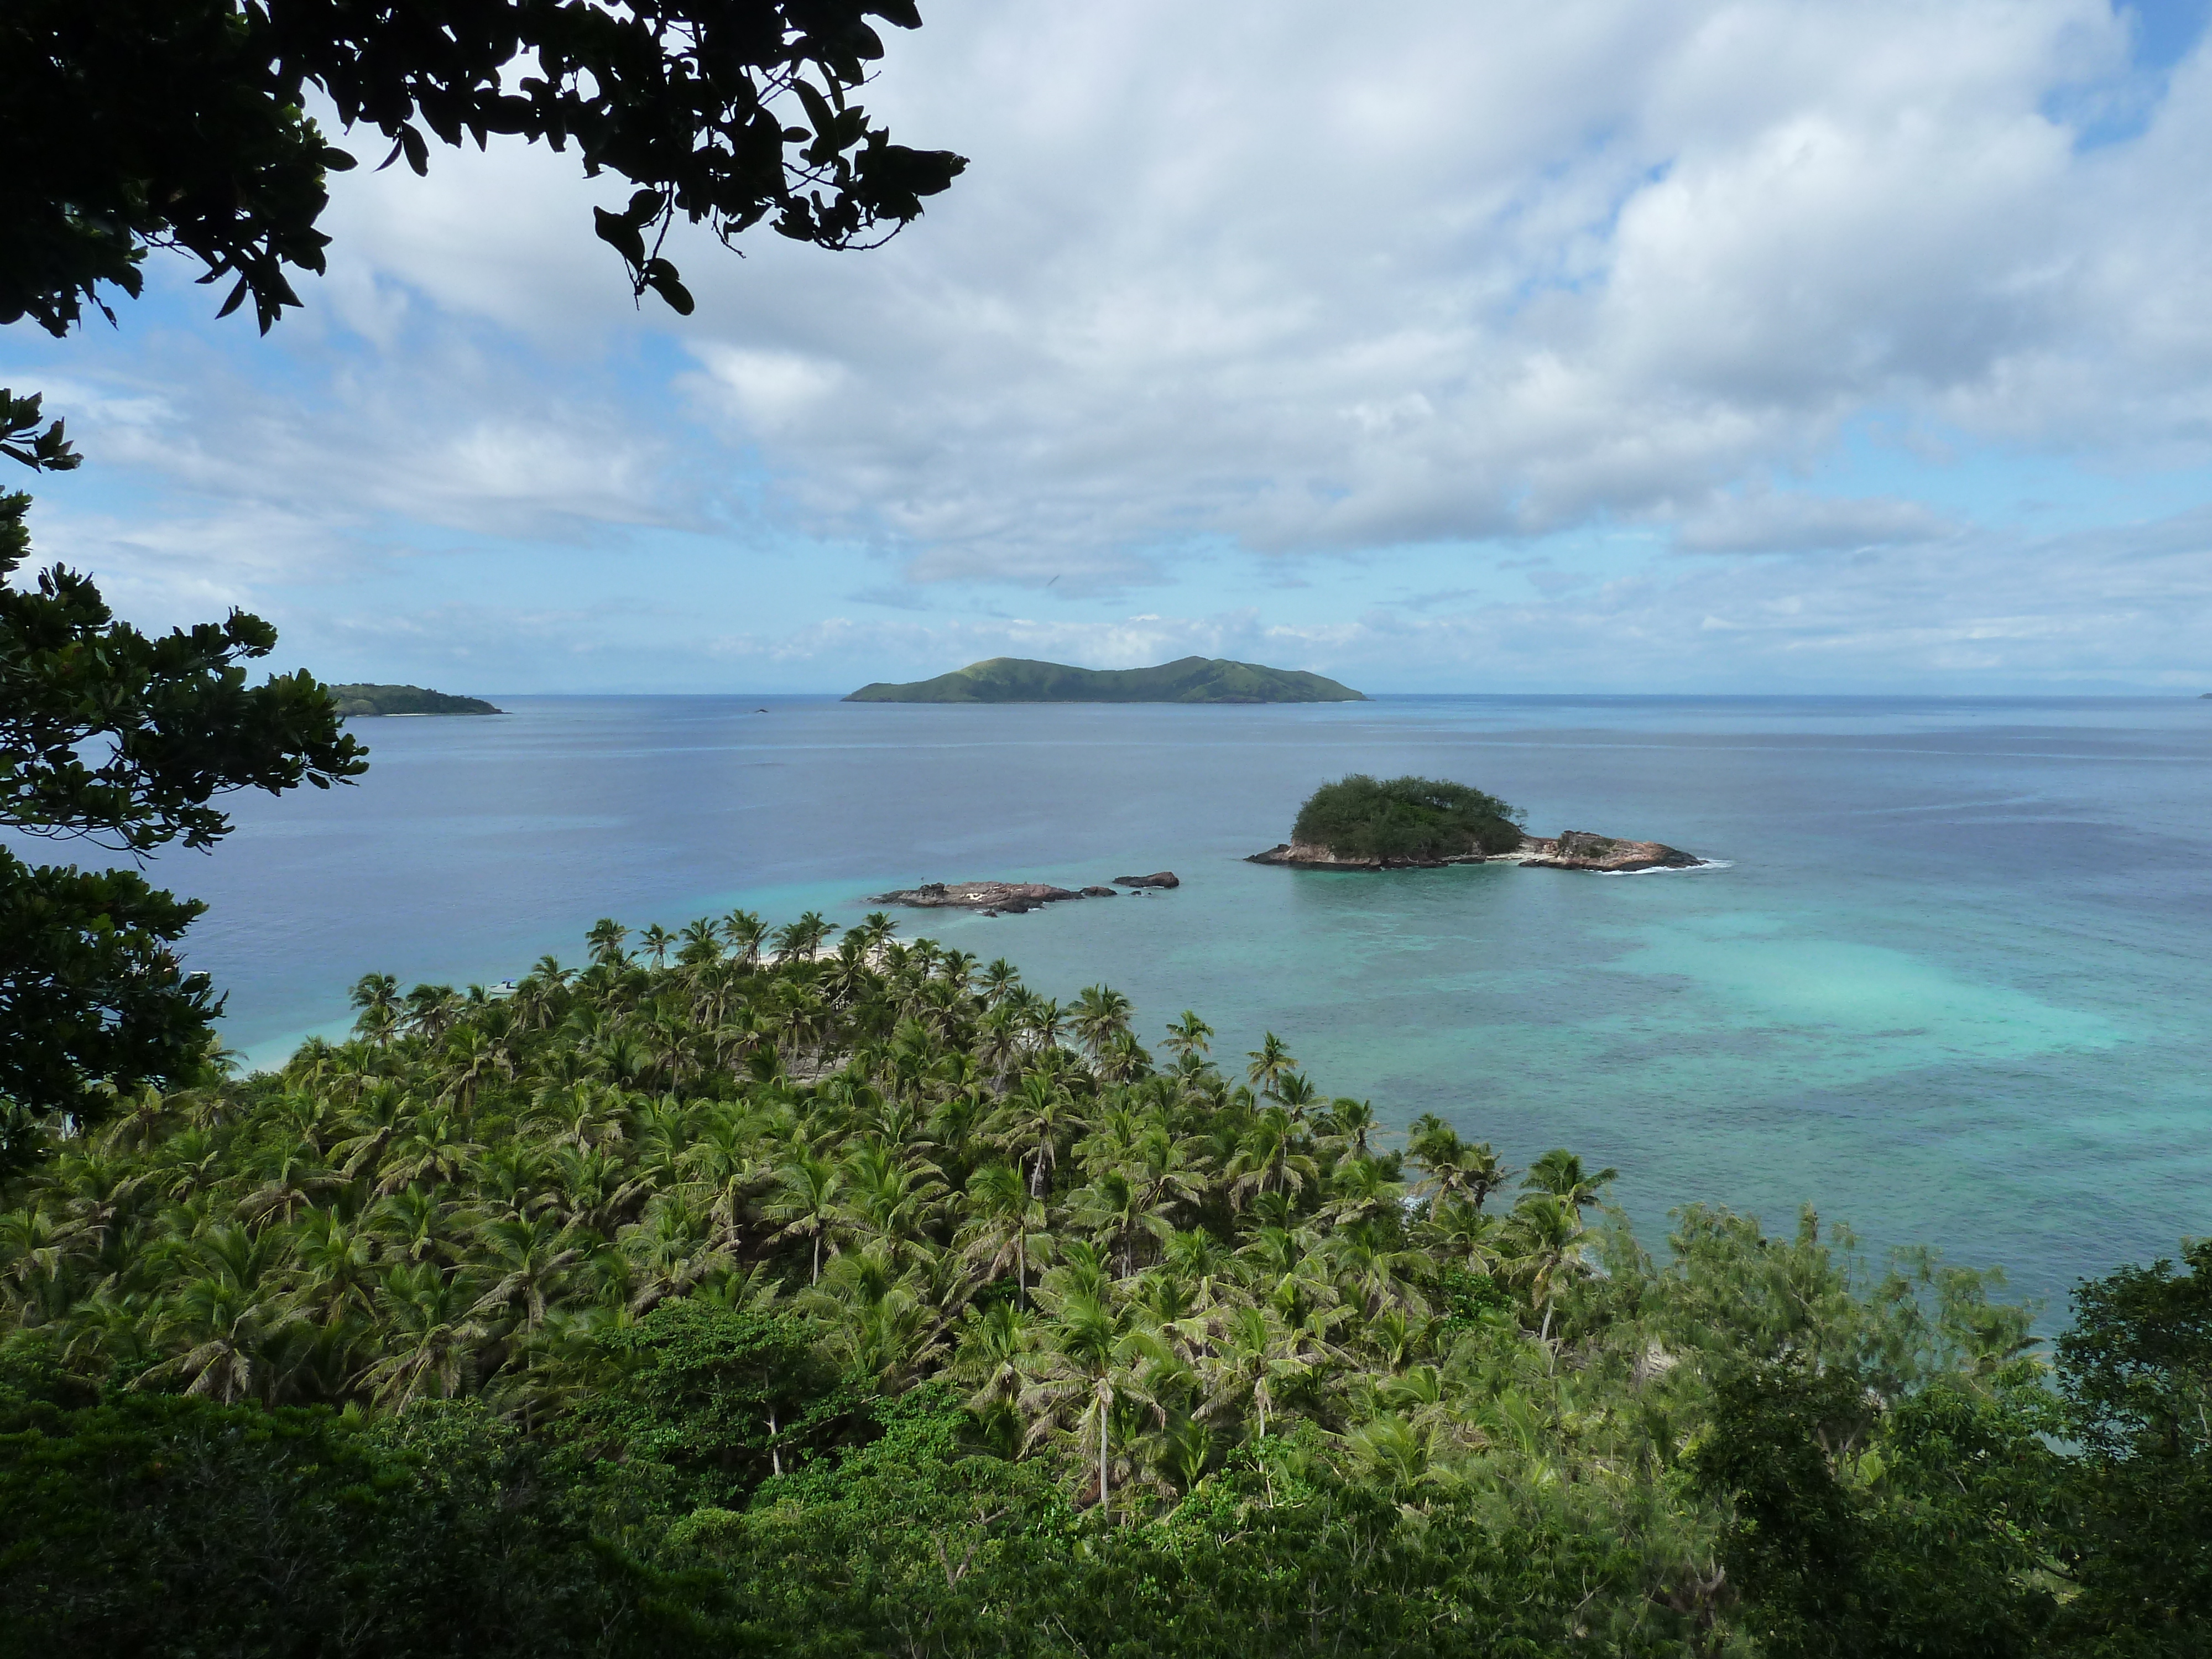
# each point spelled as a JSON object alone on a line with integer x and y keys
{"x": 1950, "y": 986}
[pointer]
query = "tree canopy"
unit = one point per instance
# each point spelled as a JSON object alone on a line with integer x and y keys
{"x": 183, "y": 124}
{"x": 1404, "y": 818}
{"x": 109, "y": 736}
{"x": 867, "y": 1301}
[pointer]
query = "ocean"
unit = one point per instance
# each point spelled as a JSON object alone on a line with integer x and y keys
{"x": 1945, "y": 981}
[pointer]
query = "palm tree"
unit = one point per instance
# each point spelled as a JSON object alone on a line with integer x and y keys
{"x": 1269, "y": 1158}
{"x": 1348, "y": 1125}
{"x": 1459, "y": 1233}
{"x": 376, "y": 996}
{"x": 810, "y": 1202}
{"x": 1005, "y": 1222}
{"x": 431, "y": 1011}
{"x": 1038, "y": 1115}
{"x": 1099, "y": 1015}
{"x": 335, "y": 1263}
{"x": 889, "y": 1199}
{"x": 657, "y": 940}
{"x": 703, "y": 943}
{"x": 1124, "y": 1058}
{"x": 1544, "y": 1240}
{"x": 994, "y": 1343}
{"x": 999, "y": 981}
{"x": 1295, "y": 1095}
{"x": 1456, "y": 1169}
{"x": 800, "y": 941}
{"x": 606, "y": 939}
{"x": 1360, "y": 1188}
{"x": 1250, "y": 1357}
{"x": 429, "y": 1340}
{"x": 1188, "y": 1037}
{"x": 745, "y": 933}
{"x": 226, "y": 1320}
{"x": 1043, "y": 1019}
{"x": 1078, "y": 1373}
{"x": 674, "y": 1250}
{"x": 1559, "y": 1173}
{"x": 1269, "y": 1061}
{"x": 534, "y": 1257}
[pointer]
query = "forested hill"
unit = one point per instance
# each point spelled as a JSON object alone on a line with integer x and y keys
{"x": 1190, "y": 679}
{"x": 356, "y": 701}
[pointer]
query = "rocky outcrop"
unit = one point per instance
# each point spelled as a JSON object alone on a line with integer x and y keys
{"x": 1572, "y": 849}
{"x": 1004, "y": 897}
{"x": 1583, "y": 849}
{"x": 1307, "y": 855}
{"x": 1007, "y": 898}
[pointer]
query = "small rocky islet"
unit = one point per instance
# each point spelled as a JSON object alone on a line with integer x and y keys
{"x": 1012, "y": 898}
{"x": 1360, "y": 822}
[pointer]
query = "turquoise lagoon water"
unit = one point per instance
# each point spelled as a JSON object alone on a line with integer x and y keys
{"x": 1947, "y": 982}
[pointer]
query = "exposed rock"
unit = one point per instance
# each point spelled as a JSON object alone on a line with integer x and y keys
{"x": 1308, "y": 855}
{"x": 1007, "y": 898}
{"x": 1572, "y": 849}
{"x": 1100, "y": 892}
{"x": 1157, "y": 878}
{"x": 1581, "y": 850}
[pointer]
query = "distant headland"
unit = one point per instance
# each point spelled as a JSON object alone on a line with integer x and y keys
{"x": 356, "y": 701}
{"x": 1191, "y": 680}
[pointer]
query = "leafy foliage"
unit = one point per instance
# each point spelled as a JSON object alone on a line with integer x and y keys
{"x": 1402, "y": 819}
{"x": 150, "y": 1524}
{"x": 2136, "y": 1369}
{"x": 109, "y": 736}
{"x": 179, "y": 123}
{"x": 90, "y": 989}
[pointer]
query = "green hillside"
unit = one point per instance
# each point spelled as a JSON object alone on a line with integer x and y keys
{"x": 355, "y": 700}
{"x": 1192, "y": 679}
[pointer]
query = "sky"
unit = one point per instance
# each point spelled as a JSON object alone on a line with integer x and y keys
{"x": 1728, "y": 346}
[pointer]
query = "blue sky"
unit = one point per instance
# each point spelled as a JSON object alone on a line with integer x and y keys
{"x": 1601, "y": 346}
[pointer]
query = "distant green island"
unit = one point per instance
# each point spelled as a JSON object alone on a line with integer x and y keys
{"x": 1191, "y": 680}
{"x": 358, "y": 700}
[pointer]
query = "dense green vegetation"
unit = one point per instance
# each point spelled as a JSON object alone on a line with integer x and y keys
{"x": 1411, "y": 819}
{"x": 1189, "y": 679}
{"x": 123, "y": 740}
{"x": 733, "y": 1295}
{"x": 358, "y": 700}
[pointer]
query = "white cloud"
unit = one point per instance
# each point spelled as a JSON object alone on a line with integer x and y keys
{"x": 1309, "y": 283}
{"x": 1769, "y": 521}
{"x": 1298, "y": 279}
